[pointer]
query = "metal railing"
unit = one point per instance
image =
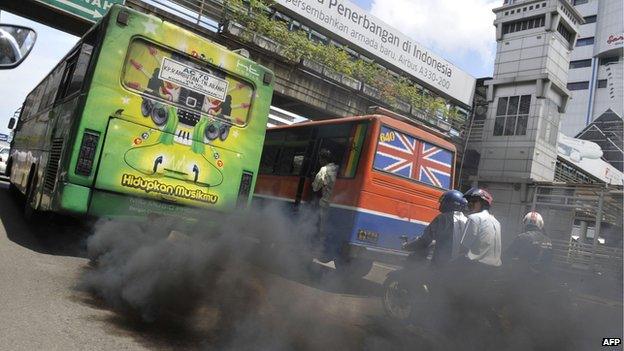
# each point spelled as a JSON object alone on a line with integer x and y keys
{"x": 584, "y": 204}
{"x": 577, "y": 255}
{"x": 476, "y": 131}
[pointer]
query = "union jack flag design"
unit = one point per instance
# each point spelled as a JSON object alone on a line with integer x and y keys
{"x": 409, "y": 157}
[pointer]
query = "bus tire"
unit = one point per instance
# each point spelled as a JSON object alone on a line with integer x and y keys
{"x": 13, "y": 190}
{"x": 353, "y": 267}
{"x": 30, "y": 212}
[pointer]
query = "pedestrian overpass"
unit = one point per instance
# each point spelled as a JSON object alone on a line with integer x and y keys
{"x": 305, "y": 88}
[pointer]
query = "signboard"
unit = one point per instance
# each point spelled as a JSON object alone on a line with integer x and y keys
{"x": 4, "y": 137}
{"x": 356, "y": 26}
{"x": 193, "y": 79}
{"x": 615, "y": 40}
{"x": 90, "y": 10}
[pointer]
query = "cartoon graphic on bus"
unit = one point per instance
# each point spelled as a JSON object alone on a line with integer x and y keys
{"x": 142, "y": 117}
{"x": 390, "y": 176}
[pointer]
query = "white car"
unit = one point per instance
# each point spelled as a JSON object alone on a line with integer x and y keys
{"x": 4, "y": 156}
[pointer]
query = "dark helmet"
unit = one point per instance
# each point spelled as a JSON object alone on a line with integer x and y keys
{"x": 479, "y": 194}
{"x": 452, "y": 200}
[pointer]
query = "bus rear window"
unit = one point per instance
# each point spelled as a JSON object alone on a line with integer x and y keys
{"x": 187, "y": 83}
{"x": 403, "y": 155}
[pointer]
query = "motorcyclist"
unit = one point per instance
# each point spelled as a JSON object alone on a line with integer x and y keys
{"x": 402, "y": 286}
{"x": 446, "y": 229}
{"x": 481, "y": 240}
{"x": 532, "y": 249}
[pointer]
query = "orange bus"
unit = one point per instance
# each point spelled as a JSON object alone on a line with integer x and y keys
{"x": 391, "y": 174}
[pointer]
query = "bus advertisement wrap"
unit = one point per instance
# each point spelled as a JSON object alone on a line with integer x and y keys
{"x": 356, "y": 26}
{"x": 180, "y": 139}
{"x": 142, "y": 117}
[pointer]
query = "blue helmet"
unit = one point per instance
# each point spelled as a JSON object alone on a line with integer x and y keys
{"x": 452, "y": 200}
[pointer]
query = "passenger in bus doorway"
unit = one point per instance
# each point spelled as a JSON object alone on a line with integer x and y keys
{"x": 323, "y": 185}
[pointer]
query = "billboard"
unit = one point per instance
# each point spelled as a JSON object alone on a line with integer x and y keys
{"x": 369, "y": 33}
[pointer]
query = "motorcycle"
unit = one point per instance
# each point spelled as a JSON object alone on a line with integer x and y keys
{"x": 531, "y": 310}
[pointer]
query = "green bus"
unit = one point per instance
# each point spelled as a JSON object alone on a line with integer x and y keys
{"x": 142, "y": 117}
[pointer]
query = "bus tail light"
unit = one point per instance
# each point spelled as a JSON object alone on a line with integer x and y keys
{"x": 87, "y": 152}
{"x": 244, "y": 189}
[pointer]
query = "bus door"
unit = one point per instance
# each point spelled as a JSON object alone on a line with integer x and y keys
{"x": 308, "y": 161}
{"x": 345, "y": 143}
{"x": 285, "y": 162}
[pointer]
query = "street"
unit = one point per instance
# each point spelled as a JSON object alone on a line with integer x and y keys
{"x": 42, "y": 305}
{"x": 238, "y": 175}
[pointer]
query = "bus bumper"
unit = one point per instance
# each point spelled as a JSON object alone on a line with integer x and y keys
{"x": 378, "y": 254}
{"x": 127, "y": 207}
{"x": 80, "y": 200}
{"x": 73, "y": 199}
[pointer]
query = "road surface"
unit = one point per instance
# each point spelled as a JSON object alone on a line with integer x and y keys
{"x": 41, "y": 307}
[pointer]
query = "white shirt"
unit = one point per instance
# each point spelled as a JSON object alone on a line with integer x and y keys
{"x": 459, "y": 225}
{"x": 325, "y": 180}
{"x": 482, "y": 238}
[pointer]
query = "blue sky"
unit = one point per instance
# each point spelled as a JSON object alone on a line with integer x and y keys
{"x": 461, "y": 31}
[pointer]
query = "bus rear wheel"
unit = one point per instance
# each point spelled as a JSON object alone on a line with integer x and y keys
{"x": 30, "y": 212}
{"x": 355, "y": 267}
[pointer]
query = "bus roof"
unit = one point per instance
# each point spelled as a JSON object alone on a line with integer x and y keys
{"x": 422, "y": 132}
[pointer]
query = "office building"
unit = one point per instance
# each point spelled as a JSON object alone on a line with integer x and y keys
{"x": 595, "y": 75}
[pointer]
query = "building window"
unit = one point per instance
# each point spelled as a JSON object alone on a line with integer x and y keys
{"x": 585, "y": 41}
{"x": 580, "y": 2}
{"x": 602, "y": 83}
{"x": 512, "y": 115}
{"x": 530, "y": 23}
{"x": 578, "y": 86}
{"x": 607, "y": 60}
{"x": 590, "y": 19}
{"x": 580, "y": 64}
{"x": 565, "y": 33}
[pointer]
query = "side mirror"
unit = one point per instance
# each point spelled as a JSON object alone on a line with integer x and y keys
{"x": 16, "y": 42}
{"x": 11, "y": 123}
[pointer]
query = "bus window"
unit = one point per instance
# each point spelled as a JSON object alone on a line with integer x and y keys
{"x": 81, "y": 69}
{"x": 64, "y": 88}
{"x": 291, "y": 160}
{"x": 405, "y": 156}
{"x": 269, "y": 159}
{"x": 293, "y": 151}
{"x": 196, "y": 86}
{"x": 52, "y": 88}
{"x": 34, "y": 99}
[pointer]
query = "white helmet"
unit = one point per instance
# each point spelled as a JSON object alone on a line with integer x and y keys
{"x": 535, "y": 219}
